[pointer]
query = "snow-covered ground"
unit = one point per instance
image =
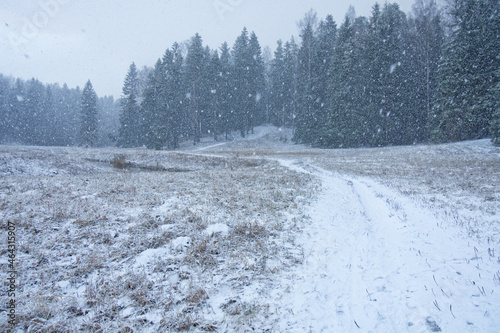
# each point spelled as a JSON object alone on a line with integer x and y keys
{"x": 254, "y": 235}
{"x": 376, "y": 262}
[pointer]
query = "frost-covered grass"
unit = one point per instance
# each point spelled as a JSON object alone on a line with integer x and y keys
{"x": 205, "y": 239}
{"x": 401, "y": 239}
{"x": 149, "y": 246}
{"x": 460, "y": 182}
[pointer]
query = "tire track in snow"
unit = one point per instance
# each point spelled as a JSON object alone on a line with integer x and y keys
{"x": 375, "y": 263}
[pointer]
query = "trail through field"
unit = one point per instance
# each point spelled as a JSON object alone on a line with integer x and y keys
{"x": 374, "y": 262}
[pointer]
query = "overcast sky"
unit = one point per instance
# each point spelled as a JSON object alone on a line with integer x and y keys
{"x": 71, "y": 41}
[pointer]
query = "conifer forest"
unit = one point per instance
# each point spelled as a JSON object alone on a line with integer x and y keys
{"x": 392, "y": 78}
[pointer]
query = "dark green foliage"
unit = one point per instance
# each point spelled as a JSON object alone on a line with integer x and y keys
{"x": 162, "y": 107}
{"x": 257, "y": 82}
{"x": 283, "y": 84}
{"x": 33, "y": 113}
{"x": 495, "y": 121}
{"x": 346, "y": 123}
{"x": 130, "y": 121}
{"x": 278, "y": 88}
{"x": 242, "y": 79}
{"x": 5, "y": 117}
{"x": 215, "y": 83}
{"x": 425, "y": 45}
{"x": 197, "y": 89}
{"x": 466, "y": 101}
{"x": 88, "y": 127}
{"x": 307, "y": 122}
{"x": 225, "y": 92}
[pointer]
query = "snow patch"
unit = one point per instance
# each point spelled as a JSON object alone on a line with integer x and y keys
{"x": 219, "y": 228}
{"x": 150, "y": 255}
{"x": 181, "y": 243}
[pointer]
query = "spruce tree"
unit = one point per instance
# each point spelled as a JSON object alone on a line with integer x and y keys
{"x": 226, "y": 91}
{"x": 307, "y": 120}
{"x": 423, "y": 51}
{"x": 347, "y": 122}
{"x": 396, "y": 111}
{"x": 88, "y": 129}
{"x": 151, "y": 109}
{"x": 49, "y": 131}
{"x": 326, "y": 43}
{"x": 4, "y": 108}
{"x": 214, "y": 73}
{"x": 34, "y": 121}
{"x": 337, "y": 128}
{"x": 195, "y": 67}
{"x": 176, "y": 100}
{"x": 130, "y": 122}
{"x": 468, "y": 73}
{"x": 257, "y": 82}
{"x": 385, "y": 61}
{"x": 290, "y": 62}
{"x": 242, "y": 91}
{"x": 278, "y": 86}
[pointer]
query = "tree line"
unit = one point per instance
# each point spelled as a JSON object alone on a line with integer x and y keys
{"x": 393, "y": 79}
{"x": 192, "y": 94}
{"x": 33, "y": 113}
{"x": 387, "y": 79}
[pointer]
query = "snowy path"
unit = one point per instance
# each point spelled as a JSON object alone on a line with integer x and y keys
{"x": 376, "y": 263}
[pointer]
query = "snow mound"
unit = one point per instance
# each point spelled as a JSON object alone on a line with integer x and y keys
{"x": 181, "y": 243}
{"x": 219, "y": 228}
{"x": 149, "y": 255}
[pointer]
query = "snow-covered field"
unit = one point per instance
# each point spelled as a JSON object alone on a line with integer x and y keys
{"x": 254, "y": 235}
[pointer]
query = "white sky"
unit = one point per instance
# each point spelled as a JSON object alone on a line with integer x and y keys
{"x": 71, "y": 41}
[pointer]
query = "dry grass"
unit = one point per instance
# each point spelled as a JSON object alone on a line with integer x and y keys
{"x": 461, "y": 181}
{"x": 103, "y": 248}
{"x": 81, "y": 234}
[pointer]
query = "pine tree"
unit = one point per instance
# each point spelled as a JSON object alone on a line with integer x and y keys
{"x": 214, "y": 74}
{"x": 395, "y": 109}
{"x": 278, "y": 86}
{"x": 4, "y": 109}
{"x": 163, "y": 104}
{"x": 49, "y": 131}
{"x": 69, "y": 105}
{"x": 385, "y": 56}
{"x": 195, "y": 67}
{"x": 242, "y": 93}
{"x": 326, "y": 43}
{"x": 205, "y": 95}
{"x": 88, "y": 129}
{"x": 226, "y": 91}
{"x": 17, "y": 105}
{"x": 130, "y": 122}
{"x": 307, "y": 120}
{"x": 468, "y": 73}
{"x": 257, "y": 82}
{"x": 290, "y": 62}
{"x": 151, "y": 109}
{"x": 176, "y": 96}
{"x": 347, "y": 124}
{"x": 34, "y": 118}
{"x": 38, "y": 114}
{"x": 423, "y": 51}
